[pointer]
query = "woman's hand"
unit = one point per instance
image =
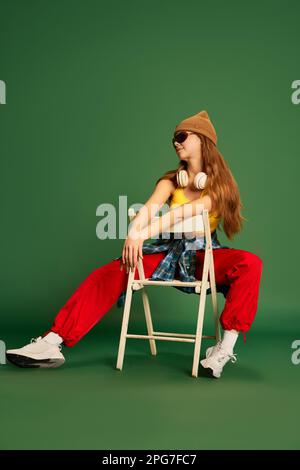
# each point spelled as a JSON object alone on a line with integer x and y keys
{"x": 133, "y": 248}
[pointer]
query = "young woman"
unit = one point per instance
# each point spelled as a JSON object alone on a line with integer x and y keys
{"x": 202, "y": 180}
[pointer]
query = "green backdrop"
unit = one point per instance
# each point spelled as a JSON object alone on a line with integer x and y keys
{"x": 94, "y": 91}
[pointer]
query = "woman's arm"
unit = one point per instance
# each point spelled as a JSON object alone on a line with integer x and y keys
{"x": 159, "y": 197}
{"x": 163, "y": 223}
{"x": 133, "y": 244}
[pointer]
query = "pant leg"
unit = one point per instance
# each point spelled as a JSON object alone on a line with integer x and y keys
{"x": 94, "y": 297}
{"x": 241, "y": 271}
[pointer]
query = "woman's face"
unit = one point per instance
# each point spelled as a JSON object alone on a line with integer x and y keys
{"x": 190, "y": 148}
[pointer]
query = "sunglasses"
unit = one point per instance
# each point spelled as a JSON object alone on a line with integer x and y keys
{"x": 180, "y": 137}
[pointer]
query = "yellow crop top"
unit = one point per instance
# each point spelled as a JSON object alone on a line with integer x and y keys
{"x": 179, "y": 198}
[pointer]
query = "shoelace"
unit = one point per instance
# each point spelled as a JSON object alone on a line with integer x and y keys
{"x": 232, "y": 356}
{"x": 34, "y": 340}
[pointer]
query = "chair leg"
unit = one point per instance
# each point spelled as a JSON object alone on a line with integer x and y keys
{"x": 198, "y": 339}
{"x": 215, "y": 314}
{"x": 147, "y": 309}
{"x": 203, "y": 293}
{"x": 149, "y": 321}
{"x": 125, "y": 321}
{"x": 214, "y": 300}
{"x": 2, "y": 352}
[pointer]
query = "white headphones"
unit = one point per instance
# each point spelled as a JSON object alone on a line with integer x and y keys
{"x": 183, "y": 179}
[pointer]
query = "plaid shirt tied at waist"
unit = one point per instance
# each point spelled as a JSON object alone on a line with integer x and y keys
{"x": 179, "y": 262}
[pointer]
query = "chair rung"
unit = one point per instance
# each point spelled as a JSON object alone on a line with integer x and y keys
{"x": 184, "y": 335}
{"x": 185, "y": 340}
{"x": 146, "y": 282}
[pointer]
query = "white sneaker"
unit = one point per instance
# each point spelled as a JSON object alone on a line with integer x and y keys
{"x": 216, "y": 358}
{"x": 38, "y": 353}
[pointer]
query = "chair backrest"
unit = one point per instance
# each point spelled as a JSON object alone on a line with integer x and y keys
{"x": 188, "y": 225}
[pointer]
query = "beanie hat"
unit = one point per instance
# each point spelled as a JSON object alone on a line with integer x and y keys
{"x": 201, "y": 123}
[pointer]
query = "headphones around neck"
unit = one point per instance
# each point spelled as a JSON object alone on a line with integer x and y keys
{"x": 183, "y": 179}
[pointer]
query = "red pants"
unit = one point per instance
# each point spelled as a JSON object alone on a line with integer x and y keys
{"x": 238, "y": 269}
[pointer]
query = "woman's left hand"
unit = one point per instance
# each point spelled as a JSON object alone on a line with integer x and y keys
{"x": 133, "y": 248}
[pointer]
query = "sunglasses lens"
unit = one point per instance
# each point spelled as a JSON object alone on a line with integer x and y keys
{"x": 180, "y": 137}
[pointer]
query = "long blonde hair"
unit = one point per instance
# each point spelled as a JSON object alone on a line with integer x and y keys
{"x": 220, "y": 185}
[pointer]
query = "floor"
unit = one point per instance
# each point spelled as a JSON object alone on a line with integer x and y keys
{"x": 154, "y": 402}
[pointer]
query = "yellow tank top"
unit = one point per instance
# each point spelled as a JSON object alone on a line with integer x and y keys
{"x": 179, "y": 198}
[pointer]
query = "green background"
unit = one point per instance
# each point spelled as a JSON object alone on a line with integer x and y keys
{"x": 94, "y": 91}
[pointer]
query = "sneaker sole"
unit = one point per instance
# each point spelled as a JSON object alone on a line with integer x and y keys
{"x": 210, "y": 371}
{"x": 29, "y": 362}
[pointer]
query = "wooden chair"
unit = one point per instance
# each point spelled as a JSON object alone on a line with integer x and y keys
{"x": 198, "y": 223}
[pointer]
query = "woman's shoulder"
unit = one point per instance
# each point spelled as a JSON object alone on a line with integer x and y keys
{"x": 168, "y": 185}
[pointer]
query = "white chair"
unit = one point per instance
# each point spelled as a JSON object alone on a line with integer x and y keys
{"x": 200, "y": 223}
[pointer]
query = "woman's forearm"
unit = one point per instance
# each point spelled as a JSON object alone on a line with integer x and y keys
{"x": 141, "y": 220}
{"x": 167, "y": 220}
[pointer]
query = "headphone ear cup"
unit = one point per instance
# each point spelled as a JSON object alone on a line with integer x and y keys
{"x": 200, "y": 180}
{"x": 182, "y": 178}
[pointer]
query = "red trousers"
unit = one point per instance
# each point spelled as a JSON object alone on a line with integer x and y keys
{"x": 238, "y": 269}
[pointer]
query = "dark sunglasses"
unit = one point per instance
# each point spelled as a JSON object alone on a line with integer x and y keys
{"x": 180, "y": 137}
